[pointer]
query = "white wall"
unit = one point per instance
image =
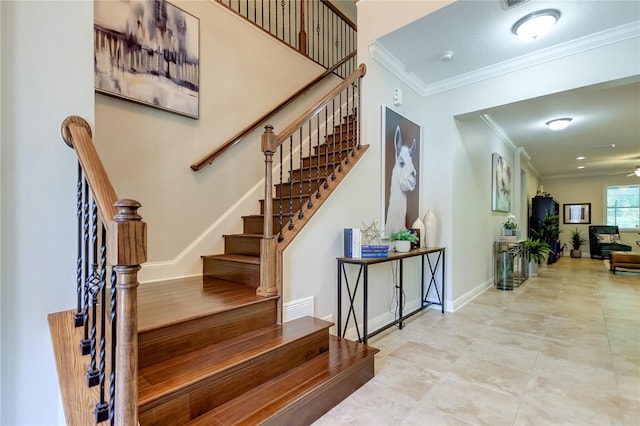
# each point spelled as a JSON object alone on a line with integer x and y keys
{"x": 47, "y": 74}
{"x": 244, "y": 73}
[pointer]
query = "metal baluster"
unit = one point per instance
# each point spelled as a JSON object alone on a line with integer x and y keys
{"x": 326, "y": 151}
{"x": 85, "y": 342}
{"x": 280, "y": 215}
{"x": 301, "y": 148}
{"x": 310, "y": 143}
{"x": 94, "y": 288}
{"x": 78, "y": 317}
{"x": 102, "y": 408}
{"x": 112, "y": 374}
{"x": 352, "y": 134}
{"x": 290, "y": 182}
{"x": 326, "y": 138}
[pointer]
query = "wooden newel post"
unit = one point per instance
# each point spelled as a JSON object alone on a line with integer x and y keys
{"x": 268, "y": 242}
{"x": 126, "y": 250}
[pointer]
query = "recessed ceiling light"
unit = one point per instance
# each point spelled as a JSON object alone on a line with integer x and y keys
{"x": 580, "y": 158}
{"x": 536, "y": 24}
{"x": 581, "y": 167}
{"x": 559, "y": 123}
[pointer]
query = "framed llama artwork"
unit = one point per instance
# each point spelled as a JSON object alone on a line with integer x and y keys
{"x": 401, "y": 141}
{"x": 500, "y": 184}
{"x": 148, "y": 52}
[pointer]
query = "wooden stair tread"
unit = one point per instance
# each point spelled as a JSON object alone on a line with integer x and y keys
{"x": 289, "y": 388}
{"x": 180, "y": 372}
{"x": 242, "y": 258}
{"x": 164, "y": 303}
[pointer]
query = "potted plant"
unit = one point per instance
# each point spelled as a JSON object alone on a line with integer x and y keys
{"x": 576, "y": 241}
{"x": 510, "y": 226}
{"x": 403, "y": 240}
{"x": 548, "y": 232}
{"x": 537, "y": 252}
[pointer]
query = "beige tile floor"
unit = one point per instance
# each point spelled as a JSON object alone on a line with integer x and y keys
{"x": 562, "y": 349}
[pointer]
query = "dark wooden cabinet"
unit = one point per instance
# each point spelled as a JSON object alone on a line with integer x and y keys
{"x": 540, "y": 206}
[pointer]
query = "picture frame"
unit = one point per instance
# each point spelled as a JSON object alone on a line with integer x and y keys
{"x": 401, "y": 144}
{"x": 579, "y": 214}
{"x": 500, "y": 183}
{"x": 148, "y": 52}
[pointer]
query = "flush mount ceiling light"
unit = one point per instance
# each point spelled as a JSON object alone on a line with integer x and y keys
{"x": 581, "y": 158}
{"x": 637, "y": 171}
{"x": 536, "y": 24}
{"x": 559, "y": 123}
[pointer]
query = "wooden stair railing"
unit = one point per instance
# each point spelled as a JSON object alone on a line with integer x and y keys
{"x": 237, "y": 138}
{"x": 112, "y": 243}
{"x": 315, "y": 28}
{"x": 330, "y": 147}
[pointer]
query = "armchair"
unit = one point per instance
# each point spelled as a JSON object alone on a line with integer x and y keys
{"x": 603, "y": 240}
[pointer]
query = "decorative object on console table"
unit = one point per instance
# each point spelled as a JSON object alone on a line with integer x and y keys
{"x": 375, "y": 250}
{"x": 419, "y": 225}
{"x": 431, "y": 229}
{"x": 510, "y": 227}
{"x": 403, "y": 240}
{"x": 417, "y": 233}
{"x": 371, "y": 233}
{"x": 352, "y": 242}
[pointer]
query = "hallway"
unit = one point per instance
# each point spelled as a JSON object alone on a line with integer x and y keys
{"x": 564, "y": 348}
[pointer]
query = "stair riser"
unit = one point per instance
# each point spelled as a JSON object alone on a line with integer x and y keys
{"x": 255, "y": 224}
{"x": 315, "y": 404}
{"x": 168, "y": 342}
{"x": 211, "y": 392}
{"x": 238, "y": 244}
{"x": 288, "y": 205}
{"x": 225, "y": 269}
{"x": 286, "y": 189}
{"x": 303, "y": 174}
{"x": 322, "y": 159}
{"x": 338, "y": 147}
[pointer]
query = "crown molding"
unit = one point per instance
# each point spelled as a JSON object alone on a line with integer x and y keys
{"x": 593, "y": 41}
{"x": 498, "y": 131}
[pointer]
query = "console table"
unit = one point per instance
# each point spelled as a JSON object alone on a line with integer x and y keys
{"x": 432, "y": 256}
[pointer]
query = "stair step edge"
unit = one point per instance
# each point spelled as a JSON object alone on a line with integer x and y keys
{"x": 260, "y": 342}
{"x": 261, "y": 397}
{"x": 241, "y": 258}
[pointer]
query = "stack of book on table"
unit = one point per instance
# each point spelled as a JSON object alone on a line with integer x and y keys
{"x": 352, "y": 242}
{"x": 375, "y": 250}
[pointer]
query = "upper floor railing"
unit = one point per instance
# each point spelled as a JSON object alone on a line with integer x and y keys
{"x": 315, "y": 28}
{"x": 112, "y": 243}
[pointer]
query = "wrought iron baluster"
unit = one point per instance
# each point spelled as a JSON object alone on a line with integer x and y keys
{"x": 102, "y": 408}
{"x": 310, "y": 178}
{"x": 113, "y": 321}
{"x": 78, "y": 317}
{"x": 290, "y": 182}
{"x": 93, "y": 374}
{"x": 85, "y": 342}
{"x": 326, "y": 138}
{"x": 281, "y": 200}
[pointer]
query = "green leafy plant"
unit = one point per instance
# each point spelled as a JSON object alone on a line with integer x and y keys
{"x": 537, "y": 250}
{"x": 576, "y": 239}
{"x": 510, "y": 223}
{"x": 404, "y": 235}
{"x": 549, "y": 228}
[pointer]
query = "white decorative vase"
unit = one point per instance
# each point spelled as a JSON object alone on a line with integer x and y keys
{"x": 431, "y": 229}
{"x": 403, "y": 246}
{"x": 419, "y": 225}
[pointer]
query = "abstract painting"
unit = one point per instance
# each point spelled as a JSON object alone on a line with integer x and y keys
{"x": 401, "y": 165}
{"x": 500, "y": 184}
{"x": 147, "y": 51}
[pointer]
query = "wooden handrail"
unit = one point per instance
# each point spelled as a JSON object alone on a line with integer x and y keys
{"x": 288, "y": 131}
{"x": 76, "y": 133}
{"x": 340, "y": 14}
{"x": 208, "y": 159}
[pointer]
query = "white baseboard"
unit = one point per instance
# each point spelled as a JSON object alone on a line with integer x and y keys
{"x": 468, "y": 296}
{"x": 298, "y": 308}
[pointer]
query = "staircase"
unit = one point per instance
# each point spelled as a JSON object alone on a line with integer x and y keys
{"x": 211, "y": 351}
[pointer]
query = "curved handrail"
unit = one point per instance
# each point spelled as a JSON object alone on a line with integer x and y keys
{"x": 208, "y": 159}
{"x": 288, "y": 131}
{"x": 76, "y": 133}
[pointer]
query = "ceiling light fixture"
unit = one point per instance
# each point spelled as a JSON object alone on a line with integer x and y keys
{"x": 637, "y": 172}
{"x": 536, "y": 24}
{"x": 559, "y": 123}
{"x": 580, "y": 158}
{"x": 581, "y": 167}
